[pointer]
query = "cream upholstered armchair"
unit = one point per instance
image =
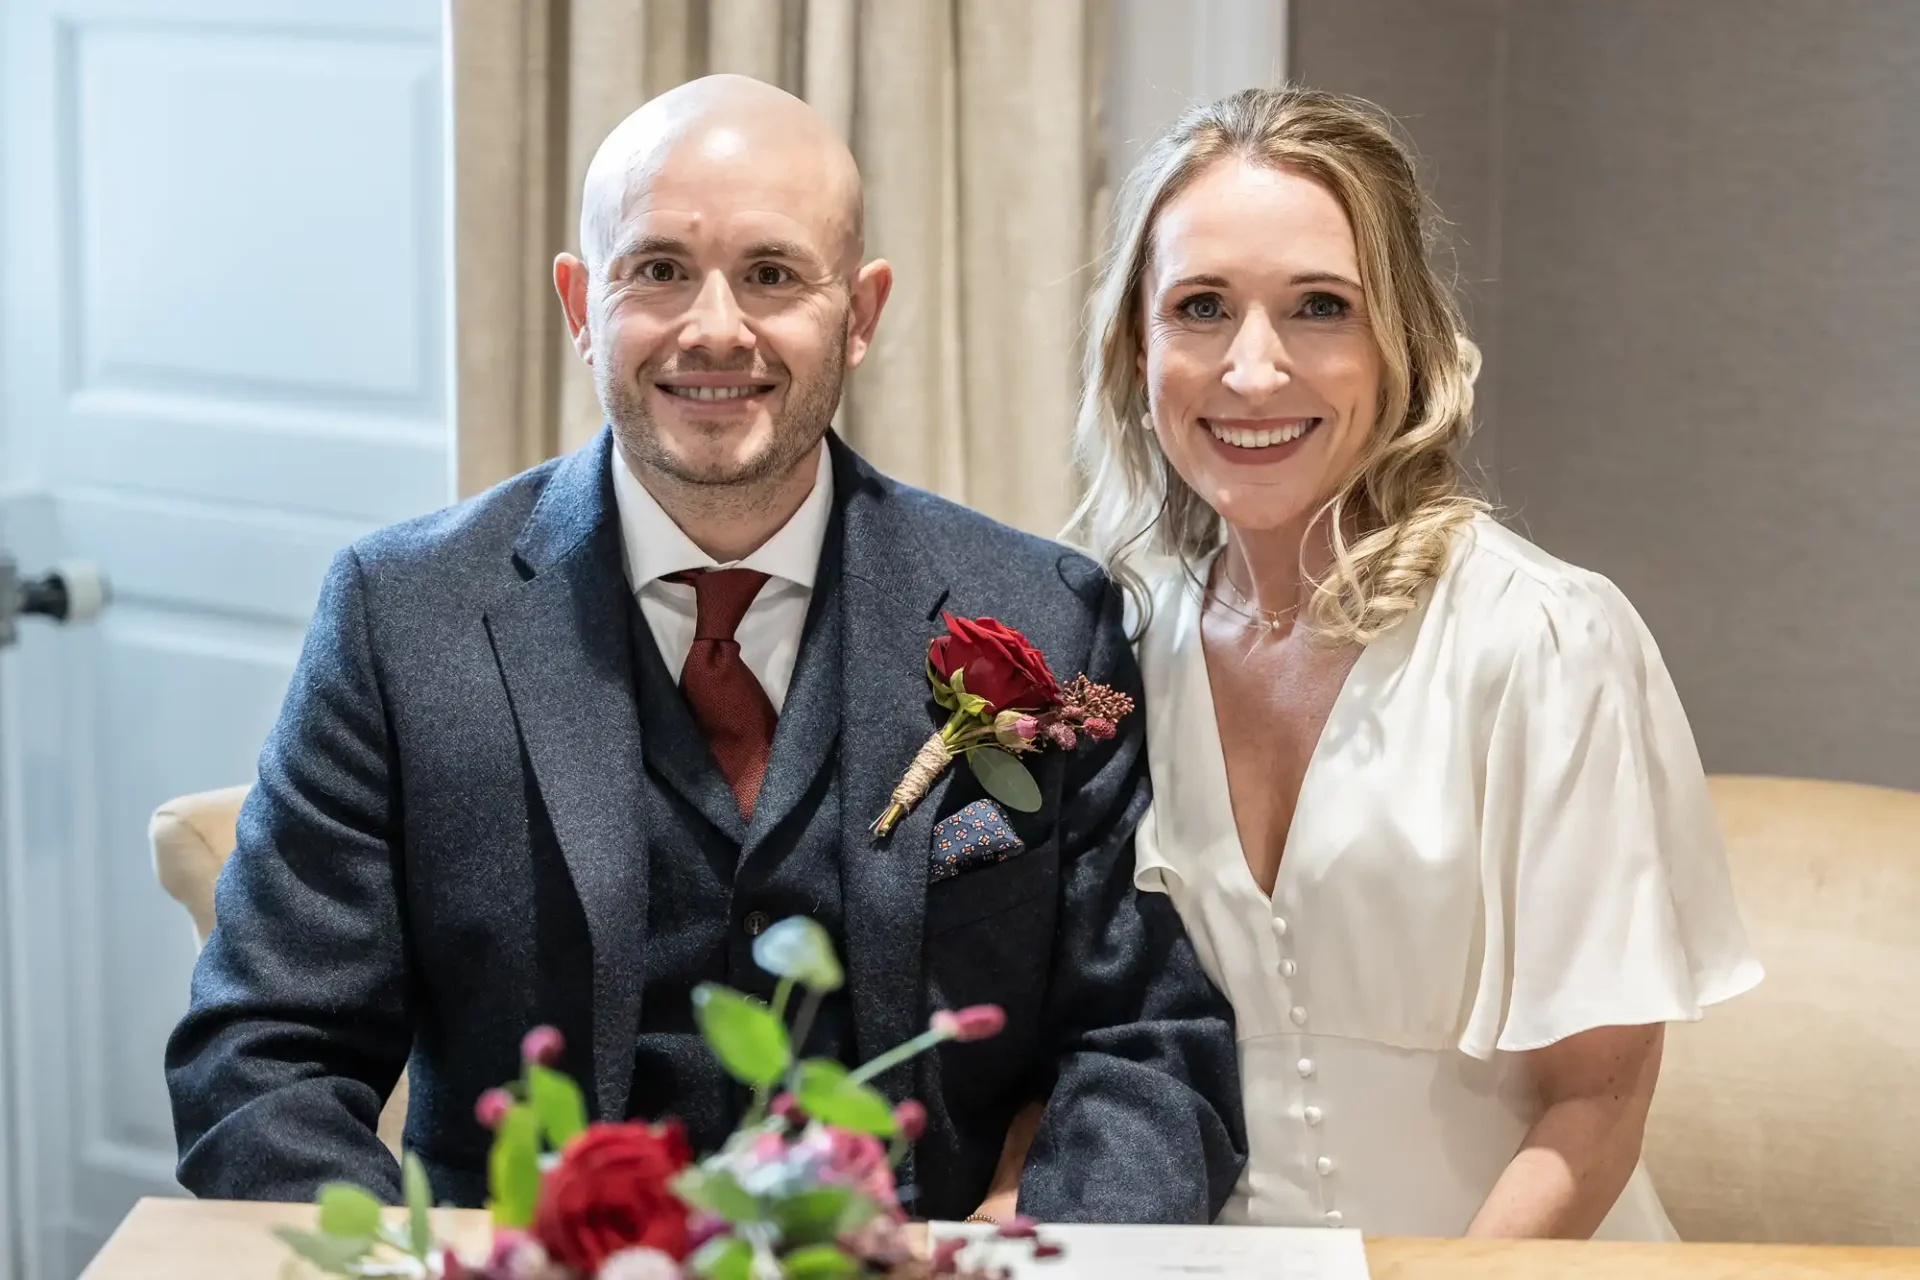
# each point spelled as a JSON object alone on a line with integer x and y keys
{"x": 1793, "y": 1112}
{"x": 191, "y": 839}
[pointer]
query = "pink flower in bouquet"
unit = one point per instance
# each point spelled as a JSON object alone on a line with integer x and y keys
{"x": 543, "y": 1045}
{"x": 858, "y": 1161}
{"x": 610, "y": 1192}
{"x": 975, "y": 1022}
{"x": 492, "y": 1108}
{"x": 910, "y": 1117}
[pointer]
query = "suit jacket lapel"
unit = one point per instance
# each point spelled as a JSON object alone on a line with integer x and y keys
{"x": 563, "y": 643}
{"x": 810, "y": 721}
{"x": 891, "y": 593}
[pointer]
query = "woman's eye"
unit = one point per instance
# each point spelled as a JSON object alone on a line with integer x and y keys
{"x": 1203, "y": 306}
{"x": 659, "y": 271}
{"x": 1324, "y": 306}
{"x": 769, "y": 275}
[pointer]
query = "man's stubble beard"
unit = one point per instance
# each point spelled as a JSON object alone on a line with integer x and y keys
{"x": 802, "y": 419}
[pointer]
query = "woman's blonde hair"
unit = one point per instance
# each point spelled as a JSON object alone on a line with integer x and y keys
{"x": 1391, "y": 522}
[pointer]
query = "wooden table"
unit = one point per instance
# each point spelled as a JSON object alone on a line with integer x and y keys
{"x": 209, "y": 1239}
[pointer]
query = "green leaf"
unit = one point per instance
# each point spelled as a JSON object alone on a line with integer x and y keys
{"x": 348, "y": 1211}
{"x": 818, "y": 1262}
{"x": 958, "y": 682}
{"x": 419, "y": 1195}
{"x": 825, "y": 1093}
{"x": 513, "y": 1168}
{"x": 715, "y": 1191}
{"x": 976, "y": 706}
{"x": 332, "y": 1254}
{"x": 942, "y": 692}
{"x": 1005, "y": 779}
{"x": 557, "y": 1101}
{"x": 749, "y": 1041}
{"x": 723, "y": 1258}
{"x": 822, "y": 1215}
{"x": 800, "y": 949}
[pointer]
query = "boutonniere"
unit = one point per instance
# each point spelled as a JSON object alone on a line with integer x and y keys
{"x": 1004, "y": 703}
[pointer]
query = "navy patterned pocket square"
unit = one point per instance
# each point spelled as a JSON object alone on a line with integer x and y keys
{"x": 977, "y": 836}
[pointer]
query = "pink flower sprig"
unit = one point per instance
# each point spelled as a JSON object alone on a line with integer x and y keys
{"x": 975, "y": 1022}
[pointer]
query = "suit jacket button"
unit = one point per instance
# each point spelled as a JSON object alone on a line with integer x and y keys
{"x": 756, "y": 923}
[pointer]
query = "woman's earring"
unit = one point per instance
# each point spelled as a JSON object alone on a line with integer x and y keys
{"x": 1146, "y": 423}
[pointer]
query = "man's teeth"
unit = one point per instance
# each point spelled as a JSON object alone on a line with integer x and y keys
{"x": 713, "y": 393}
{"x": 1240, "y": 438}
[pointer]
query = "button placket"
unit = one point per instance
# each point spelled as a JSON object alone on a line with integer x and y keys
{"x": 1308, "y": 1068}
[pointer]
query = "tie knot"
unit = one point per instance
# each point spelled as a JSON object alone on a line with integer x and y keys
{"x": 721, "y": 597}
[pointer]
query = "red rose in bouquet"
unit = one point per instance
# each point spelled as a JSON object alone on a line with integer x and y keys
{"x": 609, "y": 1192}
{"x": 1000, "y": 665}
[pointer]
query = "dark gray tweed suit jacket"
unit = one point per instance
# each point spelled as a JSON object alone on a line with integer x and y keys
{"x": 444, "y": 848}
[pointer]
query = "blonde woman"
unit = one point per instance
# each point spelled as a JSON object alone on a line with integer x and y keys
{"x": 1424, "y": 795}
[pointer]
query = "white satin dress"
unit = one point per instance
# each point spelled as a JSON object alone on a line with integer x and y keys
{"x": 1504, "y": 837}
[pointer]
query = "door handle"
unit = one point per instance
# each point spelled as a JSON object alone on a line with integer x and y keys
{"x": 72, "y": 592}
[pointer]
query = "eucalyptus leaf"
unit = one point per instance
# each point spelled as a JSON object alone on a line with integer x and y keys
{"x": 1005, "y": 779}
{"x": 818, "y": 1262}
{"x": 419, "y": 1194}
{"x": 557, "y": 1101}
{"x": 743, "y": 1033}
{"x": 332, "y": 1254}
{"x": 348, "y": 1211}
{"x": 825, "y": 1093}
{"x": 715, "y": 1191}
{"x": 723, "y": 1258}
{"x": 513, "y": 1167}
{"x": 800, "y": 949}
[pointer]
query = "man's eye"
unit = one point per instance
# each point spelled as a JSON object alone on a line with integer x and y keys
{"x": 659, "y": 271}
{"x": 1203, "y": 306}
{"x": 769, "y": 275}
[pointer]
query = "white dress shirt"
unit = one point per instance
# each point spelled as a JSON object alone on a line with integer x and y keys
{"x": 1503, "y": 838}
{"x": 653, "y": 546}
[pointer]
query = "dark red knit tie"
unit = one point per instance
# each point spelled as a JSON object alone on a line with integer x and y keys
{"x": 732, "y": 708}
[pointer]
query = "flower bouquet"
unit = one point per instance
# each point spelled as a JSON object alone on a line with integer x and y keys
{"x": 803, "y": 1190}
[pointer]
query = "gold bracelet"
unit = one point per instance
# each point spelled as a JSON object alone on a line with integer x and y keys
{"x": 981, "y": 1217}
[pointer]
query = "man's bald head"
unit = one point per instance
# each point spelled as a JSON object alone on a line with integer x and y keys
{"x": 713, "y": 131}
{"x": 722, "y": 301}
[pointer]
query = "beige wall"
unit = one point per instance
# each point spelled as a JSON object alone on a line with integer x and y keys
{"x": 1699, "y": 236}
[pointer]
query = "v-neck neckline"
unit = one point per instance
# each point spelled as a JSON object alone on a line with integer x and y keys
{"x": 1214, "y": 756}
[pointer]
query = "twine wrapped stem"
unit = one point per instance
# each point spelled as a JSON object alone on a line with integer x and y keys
{"x": 928, "y": 764}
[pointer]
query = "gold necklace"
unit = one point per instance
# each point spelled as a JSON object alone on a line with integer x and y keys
{"x": 1267, "y": 620}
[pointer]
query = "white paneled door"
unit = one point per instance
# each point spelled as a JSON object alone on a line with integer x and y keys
{"x": 222, "y": 264}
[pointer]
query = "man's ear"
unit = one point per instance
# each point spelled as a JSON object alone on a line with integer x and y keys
{"x": 871, "y": 285}
{"x": 570, "y": 282}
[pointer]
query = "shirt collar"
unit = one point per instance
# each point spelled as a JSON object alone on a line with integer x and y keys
{"x": 653, "y": 546}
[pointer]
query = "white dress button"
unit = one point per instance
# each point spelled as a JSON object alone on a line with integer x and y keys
{"x": 1279, "y": 927}
{"x": 1299, "y": 1016}
{"x": 1325, "y": 1165}
{"x": 1333, "y": 1218}
{"x": 1311, "y": 1115}
{"x": 1306, "y": 1068}
{"x": 1288, "y": 968}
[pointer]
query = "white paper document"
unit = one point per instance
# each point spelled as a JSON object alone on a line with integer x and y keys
{"x": 1175, "y": 1253}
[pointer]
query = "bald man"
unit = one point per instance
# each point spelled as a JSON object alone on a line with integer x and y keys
{"x": 560, "y": 753}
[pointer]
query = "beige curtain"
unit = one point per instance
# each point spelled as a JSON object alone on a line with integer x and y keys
{"x": 975, "y": 123}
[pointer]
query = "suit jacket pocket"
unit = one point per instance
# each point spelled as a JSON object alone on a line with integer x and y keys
{"x": 991, "y": 890}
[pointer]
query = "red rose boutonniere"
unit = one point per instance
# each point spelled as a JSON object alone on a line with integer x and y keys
{"x": 1004, "y": 704}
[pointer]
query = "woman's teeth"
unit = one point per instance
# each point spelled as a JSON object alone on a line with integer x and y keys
{"x": 713, "y": 393}
{"x": 1241, "y": 438}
